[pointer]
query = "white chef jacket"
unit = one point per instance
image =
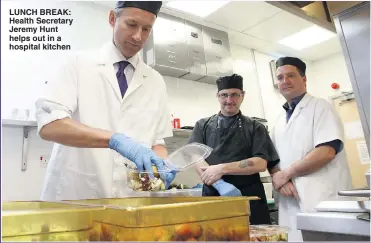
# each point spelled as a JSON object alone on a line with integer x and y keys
{"x": 313, "y": 122}
{"x": 87, "y": 90}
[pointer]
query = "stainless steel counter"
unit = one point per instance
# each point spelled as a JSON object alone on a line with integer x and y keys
{"x": 197, "y": 192}
{"x": 322, "y": 226}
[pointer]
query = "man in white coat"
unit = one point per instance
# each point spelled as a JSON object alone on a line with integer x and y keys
{"x": 308, "y": 137}
{"x": 106, "y": 109}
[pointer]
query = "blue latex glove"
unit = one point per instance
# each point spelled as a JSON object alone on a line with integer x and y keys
{"x": 226, "y": 189}
{"x": 142, "y": 156}
{"x": 168, "y": 177}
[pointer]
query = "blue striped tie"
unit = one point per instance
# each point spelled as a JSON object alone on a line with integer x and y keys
{"x": 121, "y": 78}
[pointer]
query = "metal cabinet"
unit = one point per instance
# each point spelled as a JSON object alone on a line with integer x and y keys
{"x": 217, "y": 54}
{"x": 353, "y": 28}
{"x": 165, "y": 49}
{"x": 195, "y": 49}
{"x": 182, "y": 49}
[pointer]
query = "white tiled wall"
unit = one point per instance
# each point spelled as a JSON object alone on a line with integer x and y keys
{"x": 189, "y": 100}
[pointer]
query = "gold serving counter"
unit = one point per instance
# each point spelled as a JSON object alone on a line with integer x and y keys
{"x": 129, "y": 219}
{"x": 46, "y": 221}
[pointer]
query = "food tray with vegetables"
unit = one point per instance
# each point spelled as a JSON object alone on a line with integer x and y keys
{"x": 228, "y": 229}
{"x": 270, "y": 233}
{"x": 172, "y": 218}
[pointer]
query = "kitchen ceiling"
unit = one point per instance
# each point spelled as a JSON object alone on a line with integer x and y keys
{"x": 258, "y": 25}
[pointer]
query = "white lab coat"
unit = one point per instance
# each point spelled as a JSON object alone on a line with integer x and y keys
{"x": 87, "y": 90}
{"x": 313, "y": 122}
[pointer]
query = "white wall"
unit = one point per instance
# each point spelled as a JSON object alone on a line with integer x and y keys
{"x": 272, "y": 100}
{"x": 189, "y": 100}
{"x": 244, "y": 65}
{"x": 262, "y": 99}
{"x": 22, "y": 77}
{"x": 202, "y": 97}
{"x": 17, "y": 184}
{"x": 24, "y": 73}
{"x": 327, "y": 71}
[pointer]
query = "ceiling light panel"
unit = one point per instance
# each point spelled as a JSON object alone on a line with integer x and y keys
{"x": 198, "y": 8}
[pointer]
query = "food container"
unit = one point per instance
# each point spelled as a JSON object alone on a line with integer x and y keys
{"x": 270, "y": 233}
{"x": 179, "y": 160}
{"x": 141, "y": 181}
{"x": 172, "y": 218}
{"x": 47, "y": 221}
{"x": 187, "y": 156}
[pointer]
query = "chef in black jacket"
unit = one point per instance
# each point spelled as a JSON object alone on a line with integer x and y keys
{"x": 241, "y": 149}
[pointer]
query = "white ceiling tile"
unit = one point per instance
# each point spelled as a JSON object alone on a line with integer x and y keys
{"x": 241, "y": 15}
{"x": 278, "y": 27}
{"x": 323, "y": 50}
{"x": 313, "y": 53}
{"x": 106, "y": 4}
{"x": 246, "y": 40}
{"x": 268, "y": 25}
{"x": 194, "y": 19}
{"x": 278, "y": 50}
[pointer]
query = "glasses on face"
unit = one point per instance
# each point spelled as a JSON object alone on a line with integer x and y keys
{"x": 233, "y": 96}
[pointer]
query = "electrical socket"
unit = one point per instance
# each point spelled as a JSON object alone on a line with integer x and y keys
{"x": 44, "y": 160}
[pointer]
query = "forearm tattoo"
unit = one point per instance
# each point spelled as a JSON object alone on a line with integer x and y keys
{"x": 244, "y": 163}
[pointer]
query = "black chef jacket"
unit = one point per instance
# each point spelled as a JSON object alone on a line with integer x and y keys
{"x": 233, "y": 139}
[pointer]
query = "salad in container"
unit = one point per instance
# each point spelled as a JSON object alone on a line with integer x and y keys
{"x": 179, "y": 160}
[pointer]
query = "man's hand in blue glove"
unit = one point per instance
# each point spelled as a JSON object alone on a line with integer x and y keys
{"x": 142, "y": 156}
{"x": 226, "y": 189}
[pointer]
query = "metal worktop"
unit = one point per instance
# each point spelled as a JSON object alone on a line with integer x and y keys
{"x": 328, "y": 225}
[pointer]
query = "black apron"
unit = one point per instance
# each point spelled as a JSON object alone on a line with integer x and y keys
{"x": 231, "y": 144}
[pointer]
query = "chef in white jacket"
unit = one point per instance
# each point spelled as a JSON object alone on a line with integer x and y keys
{"x": 106, "y": 109}
{"x": 308, "y": 137}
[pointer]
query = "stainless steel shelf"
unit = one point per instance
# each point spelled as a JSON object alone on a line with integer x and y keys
{"x": 364, "y": 192}
{"x": 29, "y": 125}
{"x": 182, "y": 133}
{"x": 26, "y": 126}
{"x": 18, "y": 123}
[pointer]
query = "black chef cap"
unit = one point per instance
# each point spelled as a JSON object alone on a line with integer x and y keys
{"x": 150, "y": 6}
{"x": 230, "y": 82}
{"x": 291, "y": 61}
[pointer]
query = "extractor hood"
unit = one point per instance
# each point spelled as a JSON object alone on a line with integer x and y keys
{"x": 182, "y": 49}
{"x": 318, "y": 12}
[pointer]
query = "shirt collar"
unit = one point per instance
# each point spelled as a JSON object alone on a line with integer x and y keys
{"x": 294, "y": 102}
{"x": 116, "y": 56}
